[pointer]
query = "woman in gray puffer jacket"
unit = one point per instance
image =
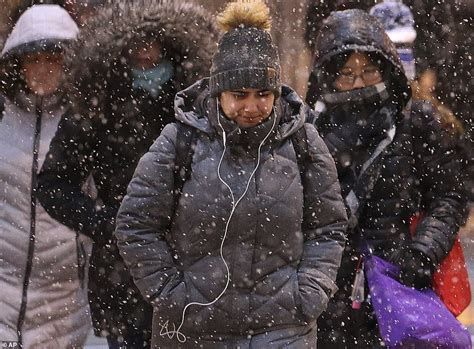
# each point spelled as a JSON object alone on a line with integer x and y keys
{"x": 248, "y": 256}
{"x": 42, "y": 262}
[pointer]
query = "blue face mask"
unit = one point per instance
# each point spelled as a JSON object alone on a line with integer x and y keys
{"x": 152, "y": 79}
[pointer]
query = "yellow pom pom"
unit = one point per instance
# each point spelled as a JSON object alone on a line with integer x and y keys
{"x": 247, "y": 13}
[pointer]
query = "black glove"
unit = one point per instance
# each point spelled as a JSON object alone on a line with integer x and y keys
{"x": 416, "y": 269}
{"x": 373, "y": 128}
{"x": 342, "y": 142}
{"x": 104, "y": 226}
{"x": 343, "y": 137}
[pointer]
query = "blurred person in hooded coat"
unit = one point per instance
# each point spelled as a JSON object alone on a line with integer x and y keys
{"x": 126, "y": 67}
{"x": 43, "y": 263}
{"x": 398, "y": 21}
{"x": 394, "y": 161}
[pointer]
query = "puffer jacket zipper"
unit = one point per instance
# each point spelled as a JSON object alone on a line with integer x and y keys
{"x": 31, "y": 245}
{"x": 81, "y": 256}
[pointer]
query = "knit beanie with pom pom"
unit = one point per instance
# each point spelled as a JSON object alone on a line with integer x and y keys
{"x": 246, "y": 56}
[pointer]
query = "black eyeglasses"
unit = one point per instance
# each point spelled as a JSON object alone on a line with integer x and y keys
{"x": 369, "y": 75}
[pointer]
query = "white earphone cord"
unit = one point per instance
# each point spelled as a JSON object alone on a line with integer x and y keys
{"x": 164, "y": 328}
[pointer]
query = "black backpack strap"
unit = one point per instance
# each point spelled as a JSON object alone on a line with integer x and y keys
{"x": 185, "y": 143}
{"x": 300, "y": 145}
{"x": 2, "y": 106}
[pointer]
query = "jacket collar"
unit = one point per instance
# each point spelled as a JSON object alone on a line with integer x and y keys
{"x": 195, "y": 107}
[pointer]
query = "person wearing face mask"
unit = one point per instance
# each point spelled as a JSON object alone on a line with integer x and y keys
{"x": 42, "y": 269}
{"x": 125, "y": 70}
{"x": 393, "y": 161}
{"x": 247, "y": 254}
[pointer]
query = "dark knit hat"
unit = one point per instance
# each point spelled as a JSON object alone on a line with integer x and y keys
{"x": 246, "y": 56}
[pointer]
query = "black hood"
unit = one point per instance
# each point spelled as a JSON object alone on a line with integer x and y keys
{"x": 356, "y": 30}
{"x": 185, "y": 30}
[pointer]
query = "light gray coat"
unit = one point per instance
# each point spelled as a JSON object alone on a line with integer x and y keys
{"x": 43, "y": 298}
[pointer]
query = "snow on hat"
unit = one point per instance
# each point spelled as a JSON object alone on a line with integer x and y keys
{"x": 246, "y": 56}
{"x": 397, "y": 19}
{"x": 38, "y": 28}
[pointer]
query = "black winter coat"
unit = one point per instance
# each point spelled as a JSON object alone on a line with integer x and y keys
{"x": 111, "y": 127}
{"x": 282, "y": 246}
{"x": 417, "y": 174}
{"x": 420, "y": 171}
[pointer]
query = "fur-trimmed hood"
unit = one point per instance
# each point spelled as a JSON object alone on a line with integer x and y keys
{"x": 185, "y": 30}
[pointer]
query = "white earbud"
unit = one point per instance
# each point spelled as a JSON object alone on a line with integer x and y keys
{"x": 224, "y": 136}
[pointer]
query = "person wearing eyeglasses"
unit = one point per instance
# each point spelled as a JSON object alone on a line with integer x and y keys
{"x": 393, "y": 160}
{"x": 358, "y": 72}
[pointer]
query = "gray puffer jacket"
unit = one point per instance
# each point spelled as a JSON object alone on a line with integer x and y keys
{"x": 282, "y": 251}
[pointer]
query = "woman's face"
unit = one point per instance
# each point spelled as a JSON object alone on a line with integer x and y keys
{"x": 43, "y": 72}
{"x": 358, "y": 72}
{"x": 145, "y": 55}
{"x": 247, "y": 107}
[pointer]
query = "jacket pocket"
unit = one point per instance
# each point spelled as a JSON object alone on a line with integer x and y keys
{"x": 277, "y": 300}
{"x": 313, "y": 301}
{"x": 297, "y": 297}
{"x": 169, "y": 305}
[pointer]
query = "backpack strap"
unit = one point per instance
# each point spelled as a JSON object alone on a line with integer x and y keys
{"x": 185, "y": 143}
{"x": 2, "y": 106}
{"x": 300, "y": 144}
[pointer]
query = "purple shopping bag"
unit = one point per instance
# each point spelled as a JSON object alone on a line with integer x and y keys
{"x": 409, "y": 318}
